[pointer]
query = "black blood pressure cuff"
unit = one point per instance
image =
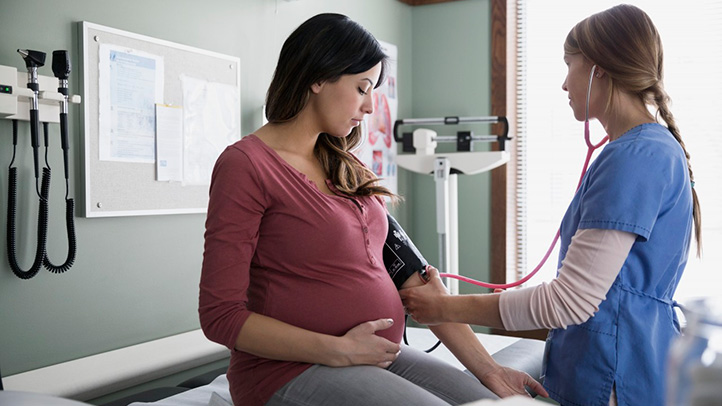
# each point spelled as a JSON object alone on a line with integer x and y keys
{"x": 401, "y": 257}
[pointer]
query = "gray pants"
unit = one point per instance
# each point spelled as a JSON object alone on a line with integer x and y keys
{"x": 415, "y": 378}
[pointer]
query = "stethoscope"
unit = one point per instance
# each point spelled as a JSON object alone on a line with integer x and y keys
{"x": 590, "y": 150}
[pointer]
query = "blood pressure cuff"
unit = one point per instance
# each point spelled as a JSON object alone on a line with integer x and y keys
{"x": 401, "y": 257}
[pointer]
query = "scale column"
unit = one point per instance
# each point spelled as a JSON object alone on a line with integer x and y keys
{"x": 447, "y": 220}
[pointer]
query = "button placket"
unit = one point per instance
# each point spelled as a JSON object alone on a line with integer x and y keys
{"x": 359, "y": 210}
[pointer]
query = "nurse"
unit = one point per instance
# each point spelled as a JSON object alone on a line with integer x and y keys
{"x": 625, "y": 237}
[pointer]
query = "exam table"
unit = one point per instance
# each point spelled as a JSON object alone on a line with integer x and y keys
{"x": 211, "y": 388}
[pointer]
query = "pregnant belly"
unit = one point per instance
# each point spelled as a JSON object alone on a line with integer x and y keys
{"x": 335, "y": 308}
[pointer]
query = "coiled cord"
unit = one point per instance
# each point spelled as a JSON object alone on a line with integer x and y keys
{"x": 43, "y": 191}
{"x": 42, "y": 230}
{"x": 69, "y": 226}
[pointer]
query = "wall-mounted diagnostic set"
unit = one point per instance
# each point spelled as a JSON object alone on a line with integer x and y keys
{"x": 42, "y": 100}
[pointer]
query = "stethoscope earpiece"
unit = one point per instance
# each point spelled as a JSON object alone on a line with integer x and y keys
{"x": 589, "y": 92}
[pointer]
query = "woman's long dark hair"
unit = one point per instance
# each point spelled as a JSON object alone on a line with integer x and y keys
{"x": 324, "y": 48}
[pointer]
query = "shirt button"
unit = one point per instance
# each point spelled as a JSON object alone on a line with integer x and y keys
{"x": 366, "y": 230}
{"x": 368, "y": 242}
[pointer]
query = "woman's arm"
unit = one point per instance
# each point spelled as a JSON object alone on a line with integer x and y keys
{"x": 588, "y": 271}
{"x": 591, "y": 265}
{"x": 236, "y": 208}
{"x": 270, "y": 338}
{"x": 466, "y": 347}
{"x": 432, "y": 304}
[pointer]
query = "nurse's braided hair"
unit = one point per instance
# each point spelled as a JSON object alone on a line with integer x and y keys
{"x": 625, "y": 43}
{"x": 324, "y": 48}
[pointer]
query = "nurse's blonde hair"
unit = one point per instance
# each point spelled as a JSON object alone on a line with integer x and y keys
{"x": 624, "y": 42}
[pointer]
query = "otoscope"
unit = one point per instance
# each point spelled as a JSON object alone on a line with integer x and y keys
{"x": 34, "y": 60}
{"x": 61, "y": 69}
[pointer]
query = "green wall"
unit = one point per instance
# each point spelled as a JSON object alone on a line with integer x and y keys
{"x": 451, "y": 76}
{"x": 136, "y": 278}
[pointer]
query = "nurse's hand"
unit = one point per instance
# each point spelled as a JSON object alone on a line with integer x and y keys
{"x": 425, "y": 303}
{"x": 361, "y": 346}
{"x": 507, "y": 382}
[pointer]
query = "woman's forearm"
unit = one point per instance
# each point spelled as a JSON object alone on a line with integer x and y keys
{"x": 269, "y": 338}
{"x": 592, "y": 263}
{"x": 432, "y": 304}
{"x": 464, "y": 344}
{"x": 466, "y": 347}
{"x": 459, "y": 339}
{"x": 481, "y": 310}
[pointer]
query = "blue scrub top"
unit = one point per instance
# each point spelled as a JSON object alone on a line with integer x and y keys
{"x": 638, "y": 184}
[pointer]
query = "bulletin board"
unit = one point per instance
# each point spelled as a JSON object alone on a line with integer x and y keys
{"x": 115, "y": 188}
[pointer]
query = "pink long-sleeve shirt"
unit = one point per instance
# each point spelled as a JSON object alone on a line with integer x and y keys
{"x": 276, "y": 245}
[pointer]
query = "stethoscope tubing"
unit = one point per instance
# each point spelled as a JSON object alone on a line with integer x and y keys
{"x": 590, "y": 151}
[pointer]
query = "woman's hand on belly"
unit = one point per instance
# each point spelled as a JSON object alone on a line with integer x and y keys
{"x": 361, "y": 346}
{"x": 266, "y": 337}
